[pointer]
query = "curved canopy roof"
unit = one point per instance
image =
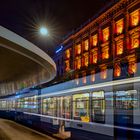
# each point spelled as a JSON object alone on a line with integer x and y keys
{"x": 22, "y": 63}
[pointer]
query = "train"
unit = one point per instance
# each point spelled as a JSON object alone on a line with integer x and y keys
{"x": 108, "y": 110}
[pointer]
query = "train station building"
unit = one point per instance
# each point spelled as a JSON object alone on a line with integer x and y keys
{"x": 109, "y": 40}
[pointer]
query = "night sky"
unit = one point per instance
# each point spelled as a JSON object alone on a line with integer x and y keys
{"x": 24, "y": 17}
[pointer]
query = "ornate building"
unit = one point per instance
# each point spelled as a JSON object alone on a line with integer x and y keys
{"x": 111, "y": 40}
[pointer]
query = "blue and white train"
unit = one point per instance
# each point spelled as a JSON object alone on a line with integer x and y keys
{"x": 108, "y": 110}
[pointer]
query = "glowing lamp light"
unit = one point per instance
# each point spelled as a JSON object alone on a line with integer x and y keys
{"x": 67, "y": 65}
{"x": 77, "y": 79}
{"x": 86, "y": 44}
{"x": 105, "y": 34}
{"x": 132, "y": 67}
{"x": 135, "y": 42}
{"x": 94, "y": 58}
{"x": 93, "y": 76}
{"x": 104, "y": 74}
{"x": 135, "y": 18}
{"x": 86, "y": 60}
{"x": 119, "y": 26}
{"x": 105, "y": 52}
{"x": 43, "y": 31}
{"x": 78, "y": 49}
{"x": 78, "y": 63}
{"x": 94, "y": 41}
{"x": 84, "y": 78}
{"x": 68, "y": 53}
{"x": 117, "y": 71}
{"x": 119, "y": 48}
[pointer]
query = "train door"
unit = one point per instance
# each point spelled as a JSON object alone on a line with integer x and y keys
{"x": 60, "y": 114}
{"x": 98, "y": 107}
{"x": 124, "y": 105}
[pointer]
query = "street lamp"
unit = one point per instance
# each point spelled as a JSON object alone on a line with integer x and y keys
{"x": 43, "y": 31}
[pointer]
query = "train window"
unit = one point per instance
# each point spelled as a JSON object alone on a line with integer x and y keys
{"x": 20, "y": 103}
{"x": 13, "y": 104}
{"x": 4, "y": 104}
{"x": 60, "y": 107}
{"x": 49, "y": 106}
{"x": 63, "y": 107}
{"x": 126, "y": 100}
{"x": 67, "y": 107}
{"x": 9, "y": 104}
{"x": 44, "y": 106}
{"x": 0, "y": 104}
{"x": 34, "y": 104}
{"x": 26, "y": 103}
{"x": 98, "y": 107}
{"x": 81, "y": 107}
{"x": 29, "y": 104}
{"x": 109, "y": 100}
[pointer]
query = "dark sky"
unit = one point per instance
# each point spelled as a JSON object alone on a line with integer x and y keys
{"x": 60, "y": 16}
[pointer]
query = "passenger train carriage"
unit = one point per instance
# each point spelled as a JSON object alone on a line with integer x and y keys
{"x": 108, "y": 110}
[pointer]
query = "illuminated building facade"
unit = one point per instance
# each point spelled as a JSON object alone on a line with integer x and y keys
{"x": 111, "y": 40}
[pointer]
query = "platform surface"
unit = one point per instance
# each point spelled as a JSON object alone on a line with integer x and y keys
{"x": 10, "y": 130}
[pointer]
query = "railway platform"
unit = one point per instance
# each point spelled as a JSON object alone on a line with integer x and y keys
{"x": 10, "y": 130}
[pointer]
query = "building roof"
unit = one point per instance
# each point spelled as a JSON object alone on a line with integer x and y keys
{"x": 22, "y": 63}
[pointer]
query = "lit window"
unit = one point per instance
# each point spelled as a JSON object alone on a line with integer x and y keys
{"x": 77, "y": 79}
{"x": 86, "y": 45}
{"x": 135, "y": 41}
{"x": 94, "y": 56}
{"x": 117, "y": 70}
{"x": 85, "y": 60}
{"x": 119, "y": 47}
{"x": 84, "y": 79}
{"x": 81, "y": 107}
{"x": 92, "y": 76}
{"x": 67, "y": 53}
{"x": 50, "y": 105}
{"x": 78, "y": 63}
{"x": 94, "y": 40}
{"x": 103, "y": 73}
{"x": 105, "y": 52}
{"x": 105, "y": 34}
{"x": 134, "y": 17}
{"x": 78, "y": 49}
{"x": 119, "y": 26}
{"x": 132, "y": 68}
{"x": 67, "y": 63}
